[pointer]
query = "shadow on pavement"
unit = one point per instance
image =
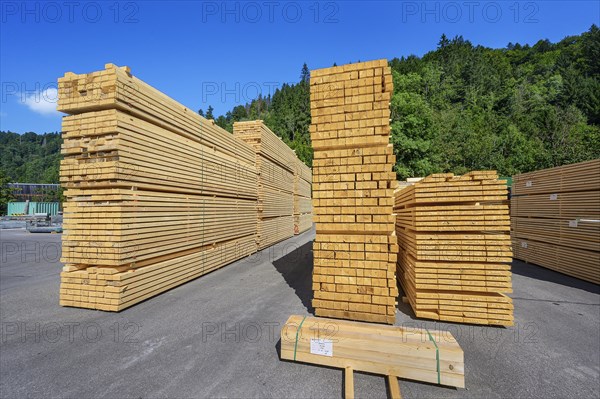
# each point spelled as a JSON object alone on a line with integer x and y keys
{"x": 539, "y": 273}
{"x": 296, "y": 268}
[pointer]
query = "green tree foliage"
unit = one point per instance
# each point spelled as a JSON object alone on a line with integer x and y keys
{"x": 5, "y": 192}
{"x": 286, "y": 112}
{"x": 29, "y": 157}
{"x": 458, "y": 108}
{"x": 464, "y": 107}
{"x": 209, "y": 113}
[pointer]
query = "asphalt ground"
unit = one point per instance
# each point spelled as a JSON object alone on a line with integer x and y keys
{"x": 218, "y": 336}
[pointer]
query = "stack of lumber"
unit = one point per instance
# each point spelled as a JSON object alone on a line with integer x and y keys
{"x": 412, "y": 353}
{"x": 275, "y": 162}
{"x": 555, "y": 216}
{"x": 302, "y": 198}
{"x": 455, "y": 248}
{"x": 156, "y": 194}
{"x": 355, "y": 248}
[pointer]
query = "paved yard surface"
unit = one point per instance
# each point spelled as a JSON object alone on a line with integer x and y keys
{"x": 217, "y": 336}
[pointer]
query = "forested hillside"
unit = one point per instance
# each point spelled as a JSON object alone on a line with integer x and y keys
{"x": 460, "y": 107}
{"x": 287, "y": 113}
{"x": 30, "y": 157}
{"x": 464, "y": 107}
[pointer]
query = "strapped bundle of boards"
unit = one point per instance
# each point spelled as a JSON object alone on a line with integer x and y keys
{"x": 355, "y": 248}
{"x": 455, "y": 248}
{"x": 156, "y": 194}
{"x": 555, "y": 216}
{"x": 412, "y": 353}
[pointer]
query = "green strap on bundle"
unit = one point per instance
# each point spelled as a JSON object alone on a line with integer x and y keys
{"x": 298, "y": 332}
{"x": 437, "y": 355}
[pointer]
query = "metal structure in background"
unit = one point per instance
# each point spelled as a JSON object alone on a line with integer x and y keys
{"x": 44, "y": 223}
{"x": 35, "y": 192}
{"x": 31, "y": 208}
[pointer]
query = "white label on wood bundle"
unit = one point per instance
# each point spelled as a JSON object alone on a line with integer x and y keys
{"x": 528, "y": 183}
{"x": 573, "y": 223}
{"x": 523, "y": 244}
{"x": 553, "y": 197}
{"x": 323, "y": 347}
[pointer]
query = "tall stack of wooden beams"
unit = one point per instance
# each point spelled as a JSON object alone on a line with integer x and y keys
{"x": 455, "y": 248}
{"x": 555, "y": 216}
{"x": 156, "y": 194}
{"x": 355, "y": 248}
{"x": 302, "y": 198}
{"x": 275, "y": 162}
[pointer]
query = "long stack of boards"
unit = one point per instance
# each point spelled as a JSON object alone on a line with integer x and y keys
{"x": 156, "y": 194}
{"x": 276, "y": 164}
{"x": 302, "y": 198}
{"x": 555, "y": 215}
{"x": 455, "y": 248}
{"x": 355, "y": 248}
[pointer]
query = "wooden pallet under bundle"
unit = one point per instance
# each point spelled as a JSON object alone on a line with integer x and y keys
{"x": 455, "y": 248}
{"x": 355, "y": 248}
{"x": 156, "y": 194}
{"x": 555, "y": 219}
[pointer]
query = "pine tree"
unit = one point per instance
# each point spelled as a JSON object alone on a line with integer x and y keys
{"x": 209, "y": 112}
{"x": 305, "y": 74}
{"x": 444, "y": 42}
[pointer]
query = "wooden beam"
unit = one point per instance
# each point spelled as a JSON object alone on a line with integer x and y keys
{"x": 348, "y": 383}
{"x": 394, "y": 387}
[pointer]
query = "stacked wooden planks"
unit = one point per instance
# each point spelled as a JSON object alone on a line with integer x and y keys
{"x": 302, "y": 198}
{"x": 412, "y": 353}
{"x": 455, "y": 248}
{"x": 156, "y": 194}
{"x": 355, "y": 248}
{"x": 555, "y": 216}
{"x": 275, "y": 162}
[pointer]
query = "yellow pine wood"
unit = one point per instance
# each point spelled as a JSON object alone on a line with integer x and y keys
{"x": 581, "y": 176}
{"x": 156, "y": 194}
{"x": 387, "y": 350}
{"x": 555, "y": 219}
{"x": 353, "y": 187}
{"x": 394, "y": 387}
{"x": 277, "y": 180}
{"x": 455, "y": 247}
{"x": 348, "y": 383}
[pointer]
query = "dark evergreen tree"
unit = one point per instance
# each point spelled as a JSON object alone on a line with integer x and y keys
{"x": 305, "y": 74}
{"x": 209, "y": 112}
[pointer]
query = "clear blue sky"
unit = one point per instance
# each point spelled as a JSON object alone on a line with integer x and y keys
{"x": 222, "y": 54}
